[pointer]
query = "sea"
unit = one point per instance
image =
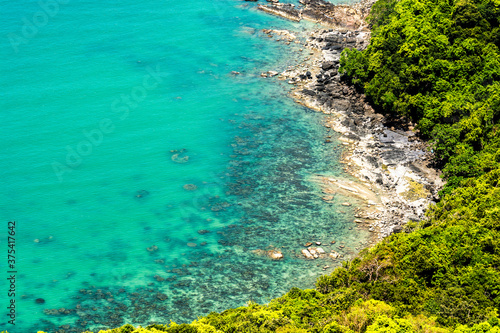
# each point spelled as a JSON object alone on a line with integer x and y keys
{"x": 148, "y": 168}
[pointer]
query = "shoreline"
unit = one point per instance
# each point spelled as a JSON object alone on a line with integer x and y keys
{"x": 396, "y": 182}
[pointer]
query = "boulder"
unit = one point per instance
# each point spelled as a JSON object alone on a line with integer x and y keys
{"x": 313, "y": 251}
{"x": 307, "y": 254}
{"x": 275, "y": 254}
{"x": 327, "y": 65}
{"x": 334, "y": 255}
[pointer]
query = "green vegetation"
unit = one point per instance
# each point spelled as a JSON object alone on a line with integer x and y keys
{"x": 446, "y": 267}
{"x": 303, "y": 311}
{"x": 415, "y": 191}
{"x": 436, "y": 62}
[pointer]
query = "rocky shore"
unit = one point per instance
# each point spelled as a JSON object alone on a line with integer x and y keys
{"x": 396, "y": 180}
{"x": 322, "y": 12}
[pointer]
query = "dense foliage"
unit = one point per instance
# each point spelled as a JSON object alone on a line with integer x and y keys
{"x": 447, "y": 267}
{"x": 303, "y": 311}
{"x": 436, "y": 62}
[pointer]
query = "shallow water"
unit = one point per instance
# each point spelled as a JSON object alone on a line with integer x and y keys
{"x": 108, "y": 112}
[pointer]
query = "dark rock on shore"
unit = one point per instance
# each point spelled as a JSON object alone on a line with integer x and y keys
{"x": 323, "y": 12}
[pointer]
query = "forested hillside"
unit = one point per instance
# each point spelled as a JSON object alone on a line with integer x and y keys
{"x": 437, "y": 63}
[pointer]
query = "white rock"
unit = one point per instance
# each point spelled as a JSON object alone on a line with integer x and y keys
{"x": 334, "y": 255}
{"x": 275, "y": 255}
{"x": 312, "y": 250}
{"x": 307, "y": 254}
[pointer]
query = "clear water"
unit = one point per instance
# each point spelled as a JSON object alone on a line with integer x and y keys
{"x": 109, "y": 110}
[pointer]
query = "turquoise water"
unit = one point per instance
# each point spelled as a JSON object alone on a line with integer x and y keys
{"x": 143, "y": 176}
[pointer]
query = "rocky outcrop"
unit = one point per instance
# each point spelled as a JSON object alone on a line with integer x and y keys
{"x": 286, "y": 11}
{"x": 394, "y": 166}
{"x": 323, "y": 12}
{"x": 272, "y": 254}
{"x": 384, "y": 153}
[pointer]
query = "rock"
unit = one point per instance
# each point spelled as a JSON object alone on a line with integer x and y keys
{"x": 272, "y": 73}
{"x": 334, "y": 255}
{"x": 307, "y": 254}
{"x": 319, "y": 250}
{"x": 397, "y": 229}
{"x": 141, "y": 194}
{"x": 235, "y": 73}
{"x": 327, "y": 65}
{"x": 159, "y": 278}
{"x": 202, "y": 232}
{"x": 190, "y": 187}
{"x": 275, "y": 254}
{"x": 178, "y": 159}
{"x": 191, "y": 244}
{"x": 414, "y": 218}
{"x": 346, "y": 204}
{"x": 153, "y": 248}
{"x": 308, "y": 244}
{"x": 286, "y": 12}
{"x": 313, "y": 251}
{"x": 318, "y": 243}
{"x": 308, "y": 92}
{"x": 39, "y": 301}
{"x": 161, "y": 296}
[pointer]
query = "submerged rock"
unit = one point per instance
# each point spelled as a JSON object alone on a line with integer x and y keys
{"x": 152, "y": 249}
{"x": 141, "y": 194}
{"x": 334, "y": 255}
{"x": 314, "y": 252}
{"x": 307, "y": 254}
{"x": 179, "y": 159}
{"x": 275, "y": 254}
{"x": 190, "y": 187}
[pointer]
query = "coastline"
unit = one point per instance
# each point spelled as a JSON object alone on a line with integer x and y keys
{"x": 396, "y": 181}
